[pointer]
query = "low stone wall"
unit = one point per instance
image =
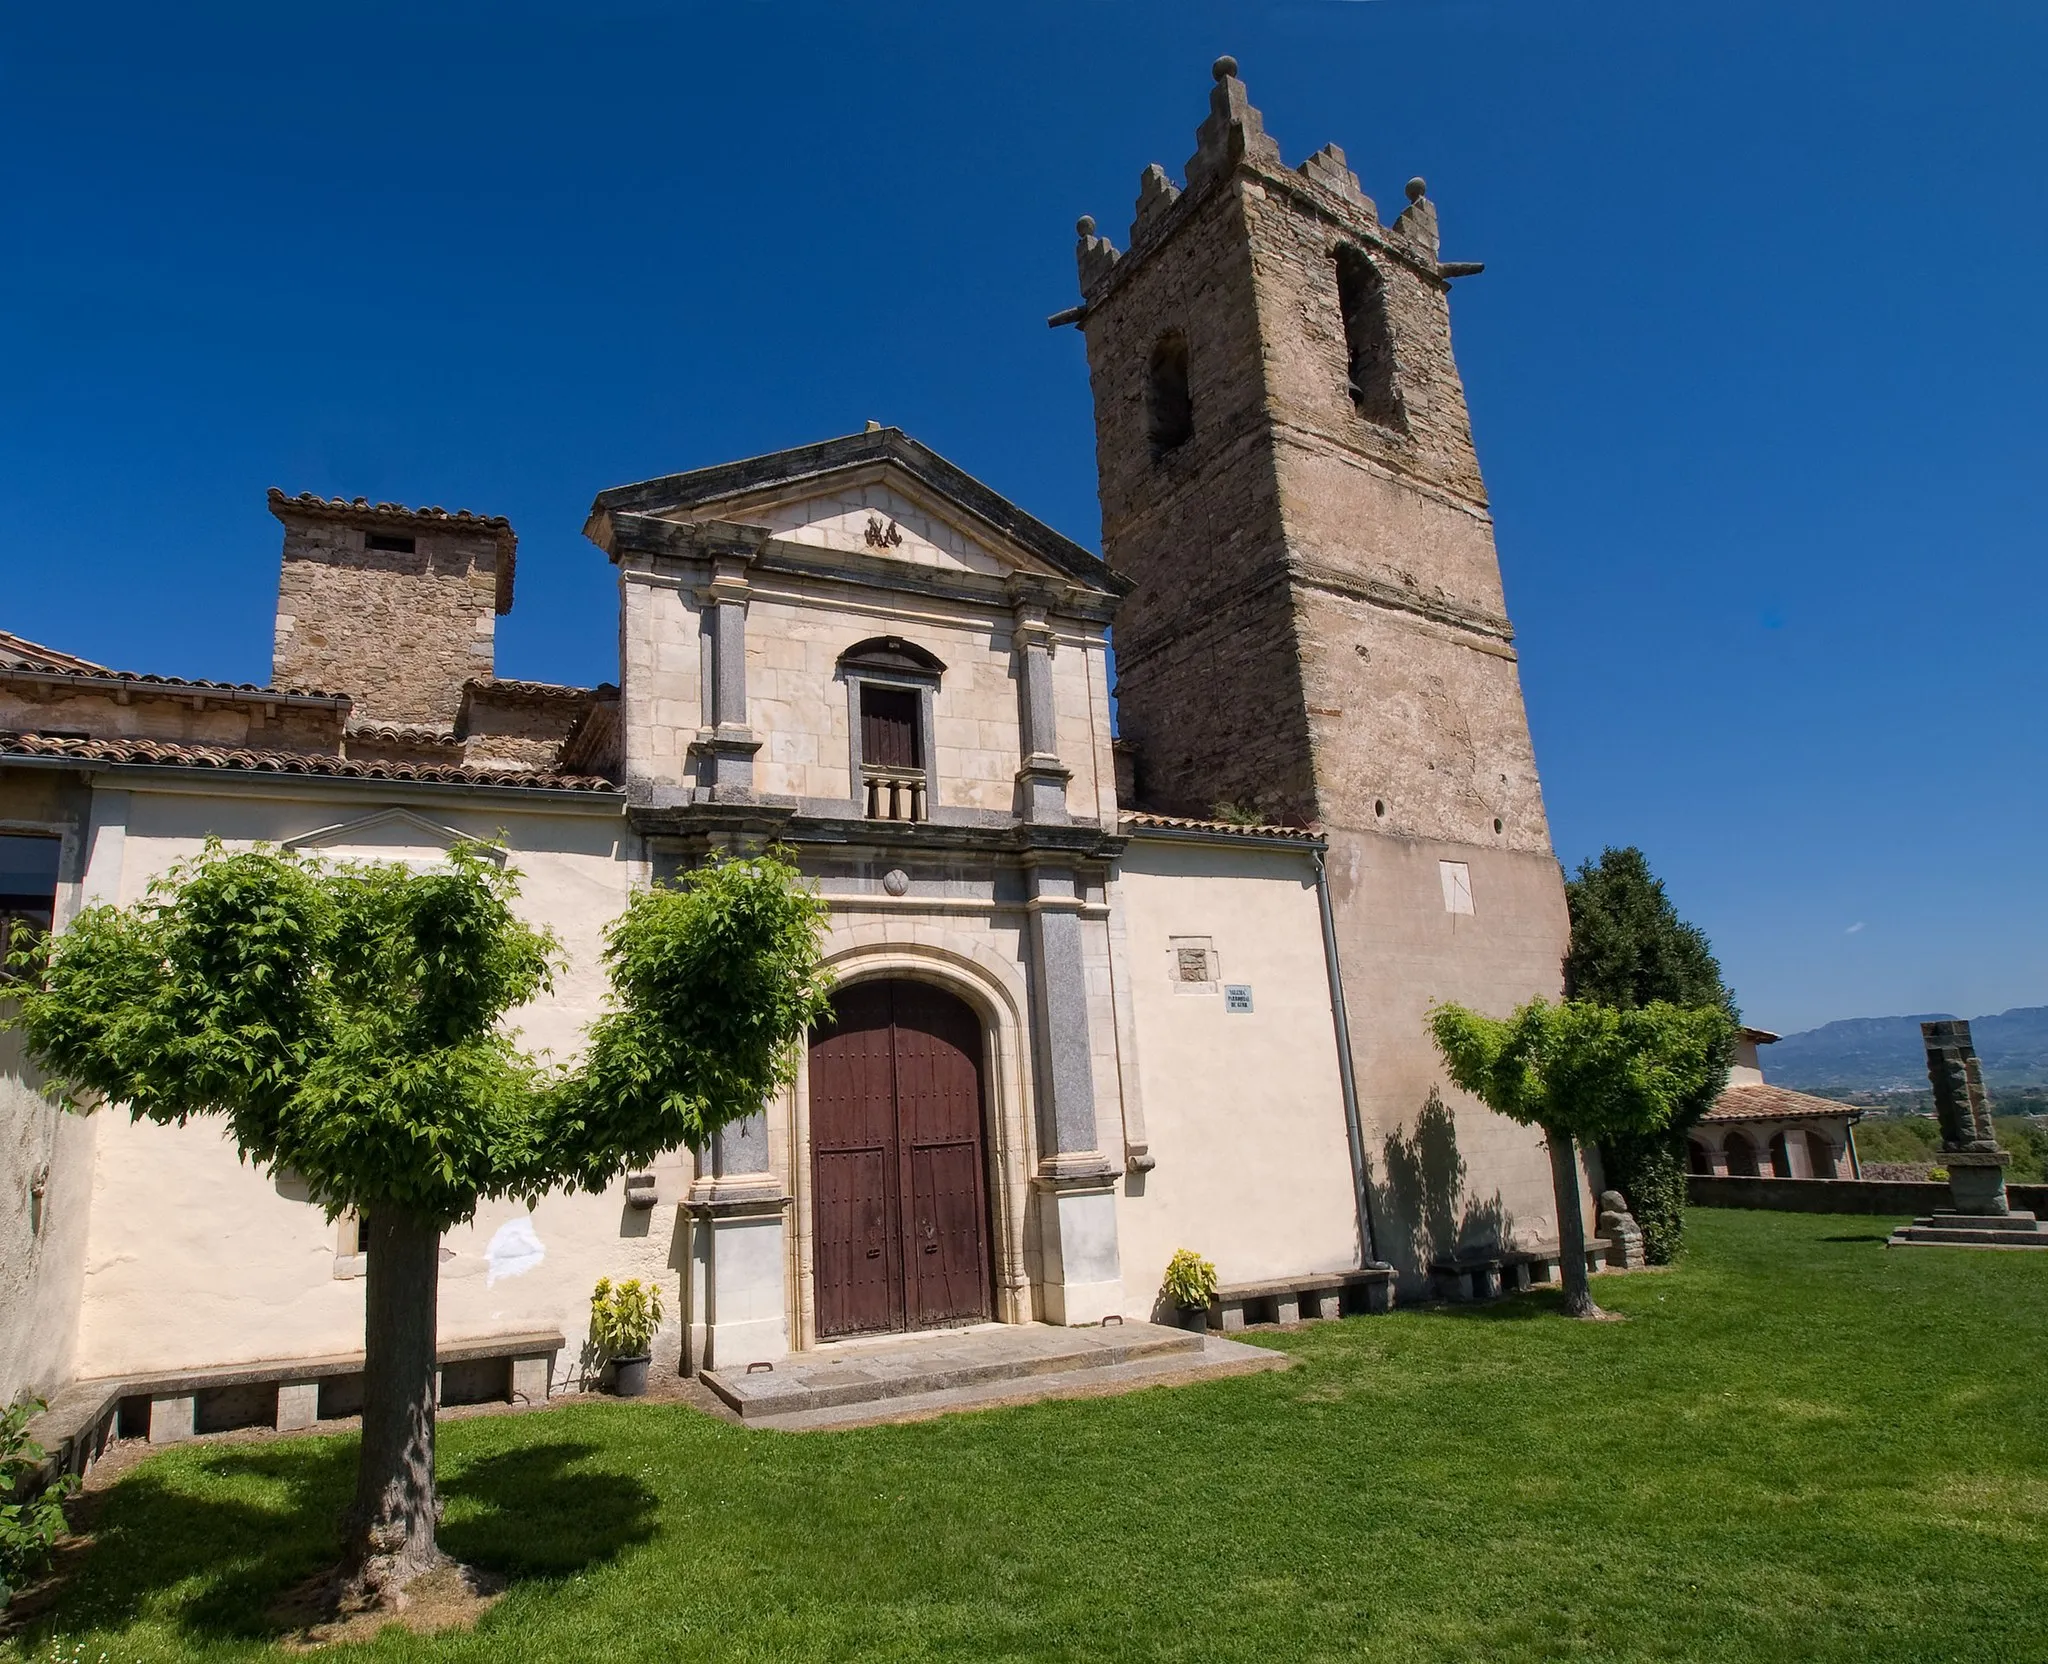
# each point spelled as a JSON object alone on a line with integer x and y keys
{"x": 1842, "y": 1195}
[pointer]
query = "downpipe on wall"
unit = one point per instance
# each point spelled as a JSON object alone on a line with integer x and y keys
{"x": 1368, "y": 1254}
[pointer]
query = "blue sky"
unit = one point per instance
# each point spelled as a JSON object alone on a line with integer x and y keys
{"x": 1757, "y": 366}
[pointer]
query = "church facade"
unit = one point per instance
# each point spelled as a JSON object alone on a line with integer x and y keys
{"x": 1107, "y": 987}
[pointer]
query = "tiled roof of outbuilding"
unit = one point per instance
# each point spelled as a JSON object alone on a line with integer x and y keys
{"x": 510, "y": 688}
{"x": 19, "y": 653}
{"x": 1762, "y": 1102}
{"x": 21, "y": 657}
{"x": 166, "y": 754}
{"x": 1139, "y": 821}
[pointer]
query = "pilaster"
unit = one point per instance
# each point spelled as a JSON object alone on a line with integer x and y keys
{"x": 1041, "y": 778}
{"x": 1081, "y": 1276}
{"x": 739, "y": 1222}
{"x": 727, "y": 744}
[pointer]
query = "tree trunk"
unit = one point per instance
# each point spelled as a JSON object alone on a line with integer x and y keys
{"x": 1571, "y": 1224}
{"x": 388, "y": 1537}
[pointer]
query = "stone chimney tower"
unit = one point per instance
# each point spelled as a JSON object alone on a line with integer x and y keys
{"x": 1318, "y": 633}
{"x": 395, "y": 606}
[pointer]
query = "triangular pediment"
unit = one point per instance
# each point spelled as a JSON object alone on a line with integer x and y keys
{"x": 392, "y": 835}
{"x": 880, "y": 517}
{"x": 878, "y": 495}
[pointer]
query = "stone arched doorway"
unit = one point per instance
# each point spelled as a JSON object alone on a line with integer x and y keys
{"x": 1741, "y": 1156}
{"x": 900, "y": 1219}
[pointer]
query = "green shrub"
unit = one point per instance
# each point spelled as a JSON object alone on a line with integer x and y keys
{"x": 1190, "y": 1279}
{"x": 2027, "y": 1139}
{"x": 1651, "y": 1174}
{"x": 28, "y": 1529}
{"x": 624, "y": 1316}
{"x": 1897, "y": 1138}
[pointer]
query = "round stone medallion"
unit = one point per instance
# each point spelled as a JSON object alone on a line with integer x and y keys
{"x": 896, "y": 881}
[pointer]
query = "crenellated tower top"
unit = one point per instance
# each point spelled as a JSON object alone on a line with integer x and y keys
{"x": 1287, "y": 473}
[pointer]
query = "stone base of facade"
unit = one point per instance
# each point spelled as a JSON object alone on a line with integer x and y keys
{"x": 1080, "y": 1273}
{"x": 738, "y": 1309}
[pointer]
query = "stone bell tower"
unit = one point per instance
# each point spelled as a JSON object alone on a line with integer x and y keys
{"x": 1318, "y": 633}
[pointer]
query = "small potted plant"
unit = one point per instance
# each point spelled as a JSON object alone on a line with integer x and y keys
{"x": 623, "y": 1318}
{"x": 1190, "y": 1286}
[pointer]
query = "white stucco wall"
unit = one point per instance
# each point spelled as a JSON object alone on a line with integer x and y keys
{"x": 42, "y": 1238}
{"x": 194, "y": 1259}
{"x": 46, "y": 1154}
{"x": 1244, "y": 1112}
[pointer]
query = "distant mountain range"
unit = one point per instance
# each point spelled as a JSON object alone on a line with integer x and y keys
{"x": 1883, "y": 1054}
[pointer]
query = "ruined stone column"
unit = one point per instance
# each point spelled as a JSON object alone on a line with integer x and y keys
{"x": 1969, "y": 1139}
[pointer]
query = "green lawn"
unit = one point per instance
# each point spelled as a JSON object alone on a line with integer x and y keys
{"x": 1800, "y": 1446}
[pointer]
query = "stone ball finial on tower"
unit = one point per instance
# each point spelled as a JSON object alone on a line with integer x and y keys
{"x": 1418, "y": 188}
{"x": 1224, "y": 67}
{"x": 1093, "y": 255}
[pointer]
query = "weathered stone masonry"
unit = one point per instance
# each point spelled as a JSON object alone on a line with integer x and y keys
{"x": 1317, "y": 631}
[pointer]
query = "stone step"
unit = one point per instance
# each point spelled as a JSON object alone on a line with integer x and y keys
{"x": 1949, "y": 1219}
{"x": 864, "y": 1372}
{"x": 1214, "y": 1358}
{"x": 1928, "y": 1234}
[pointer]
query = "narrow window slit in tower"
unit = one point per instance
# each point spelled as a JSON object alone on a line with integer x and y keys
{"x": 390, "y": 543}
{"x": 1368, "y": 340}
{"x": 1170, "y": 413}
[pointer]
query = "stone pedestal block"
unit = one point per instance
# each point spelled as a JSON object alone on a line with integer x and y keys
{"x": 298, "y": 1405}
{"x": 738, "y": 1313}
{"x": 1080, "y": 1271}
{"x": 172, "y": 1418}
{"x": 529, "y": 1380}
{"x": 1976, "y": 1180}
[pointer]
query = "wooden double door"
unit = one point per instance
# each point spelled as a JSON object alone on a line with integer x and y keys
{"x": 900, "y": 1227}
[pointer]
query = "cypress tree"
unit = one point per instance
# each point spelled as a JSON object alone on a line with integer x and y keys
{"x": 1629, "y": 949}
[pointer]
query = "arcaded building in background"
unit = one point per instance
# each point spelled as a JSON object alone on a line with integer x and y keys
{"x": 1105, "y": 990}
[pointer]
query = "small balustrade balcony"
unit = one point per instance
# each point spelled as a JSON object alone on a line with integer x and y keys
{"x": 894, "y": 793}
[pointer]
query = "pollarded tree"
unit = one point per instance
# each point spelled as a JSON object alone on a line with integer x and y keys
{"x": 1581, "y": 1071}
{"x": 348, "y": 1023}
{"x": 1629, "y": 948}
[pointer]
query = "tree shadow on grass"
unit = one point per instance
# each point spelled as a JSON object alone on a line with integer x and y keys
{"x": 1510, "y": 1308}
{"x": 1860, "y": 1236}
{"x": 534, "y": 1512}
{"x": 211, "y": 1544}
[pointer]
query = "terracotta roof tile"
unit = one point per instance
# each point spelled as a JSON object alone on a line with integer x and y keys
{"x": 19, "y": 653}
{"x": 511, "y": 688}
{"x": 239, "y": 759}
{"x": 404, "y": 733}
{"x": 1138, "y": 820}
{"x": 1756, "y": 1102}
{"x": 20, "y": 657}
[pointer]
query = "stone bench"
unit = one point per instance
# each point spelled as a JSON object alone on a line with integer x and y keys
{"x": 1316, "y": 1294}
{"x": 286, "y": 1393}
{"x": 1487, "y": 1273}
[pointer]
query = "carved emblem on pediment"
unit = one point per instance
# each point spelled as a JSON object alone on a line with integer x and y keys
{"x": 880, "y": 536}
